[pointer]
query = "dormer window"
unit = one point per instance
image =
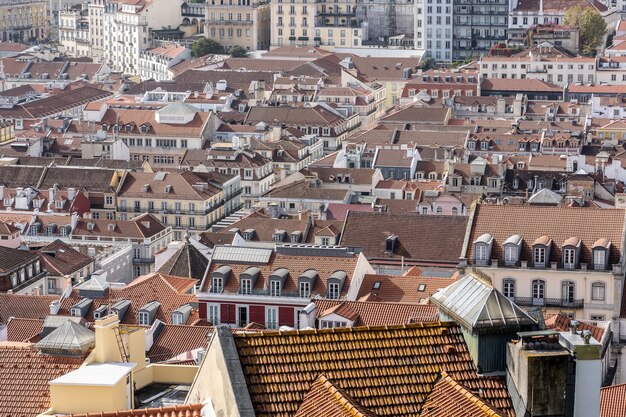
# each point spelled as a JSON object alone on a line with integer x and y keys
{"x": 295, "y": 237}
{"x": 600, "y": 252}
{"x": 511, "y": 248}
{"x": 217, "y": 285}
{"x": 129, "y": 128}
{"x": 304, "y": 289}
{"x": 390, "y": 243}
{"x": 177, "y": 318}
{"x": 335, "y": 283}
{"x": 248, "y": 234}
{"x": 246, "y": 286}
{"x": 147, "y": 313}
{"x": 144, "y": 318}
{"x": 482, "y": 249}
{"x": 484, "y": 146}
{"x": 571, "y": 250}
{"x": 333, "y": 291}
{"x": 278, "y": 236}
{"x": 541, "y": 251}
{"x": 275, "y": 288}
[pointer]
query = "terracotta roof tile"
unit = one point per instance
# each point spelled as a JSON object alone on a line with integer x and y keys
{"x": 557, "y": 223}
{"x": 372, "y": 313}
{"x": 388, "y": 370}
{"x": 21, "y": 330}
{"x": 449, "y": 399}
{"x": 325, "y": 399}
{"x": 169, "y": 291}
{"x": 403, "y": 289}
{"x": 435, "y": 239}
{"x": 613, "y": 401}
{"x": 174, "y": 340}
{"x": 24, "y": 378}
{"x": 187, "y": 410}
{"x": 24, "y": 306}
{"x": 561, "y": 323}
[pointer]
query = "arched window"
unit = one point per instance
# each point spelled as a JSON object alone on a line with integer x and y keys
{"x": 508, "y": 288}
{"x": 598, "y": 291}
{"x": 539, "y": 292}
{"x": 455, "y": 210}
{"x": 568, "y": 291}
{"x": 439, "y": 210}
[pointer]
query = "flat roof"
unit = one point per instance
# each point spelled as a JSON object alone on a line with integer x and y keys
{"x": 99, "y": 374}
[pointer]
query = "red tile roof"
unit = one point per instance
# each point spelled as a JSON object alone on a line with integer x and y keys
{"x": 21, "y": 330}
{"x": 24, "y": 377}
{"x": 169, "y": 291}
{"x": 403, "y": 289}
{"x": 561, "y": 323}
{"x": 325, "y": 399}
{"x": 613, "y": 401}
{"x": 174, "y": 340}
{"x": 24, "y": 306}
{"x": 389, "y": 370}
{"x": 373, "y": 313}
{"x": 187, "y": 410}
{"x": 449, "y": 399}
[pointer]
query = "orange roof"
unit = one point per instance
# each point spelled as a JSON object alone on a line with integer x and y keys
{"x": 375, "y": 313}
{"x": 561, "y": 323}
{"x": 24, "y": 306}
{"x": 25, "y": 376}
{"x": 187, "y": 410}
{"x": 21, "y": 330}
{"x": 174, "y": 340}
{"x": 389, "y": 370}
{"x": 612, "y": 400}
{"x": 449, "y": 399}
{"x": 403, "y": 289}
{"x": 326, "y": 399}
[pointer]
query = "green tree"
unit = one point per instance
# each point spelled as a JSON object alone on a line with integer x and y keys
{"x": 591, "y": 25}
{"x": 204, "y": 46}
{"x": 427, "y": 63}
{"x": 238, "y": 52}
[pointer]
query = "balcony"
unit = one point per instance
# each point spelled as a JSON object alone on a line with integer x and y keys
{"x": 548, "y": 302}
{"x": 29, "y": 282}
{"x": 144, "y": 261}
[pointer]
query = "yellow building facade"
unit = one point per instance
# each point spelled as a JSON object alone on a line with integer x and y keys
{"x": 243, "y": 23}
{"x": 23, "y": 20}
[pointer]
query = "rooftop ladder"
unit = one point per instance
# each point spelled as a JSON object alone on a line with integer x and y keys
{"x": 120, "y": 344}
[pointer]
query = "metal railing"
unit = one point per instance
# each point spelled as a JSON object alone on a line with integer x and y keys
{"x": 549, "y": 302}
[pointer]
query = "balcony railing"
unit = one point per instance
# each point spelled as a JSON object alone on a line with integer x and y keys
{"x": 548, "y": 302}
{"x": 149, "y": 260}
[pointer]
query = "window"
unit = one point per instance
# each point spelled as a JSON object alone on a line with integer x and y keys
{"x": 481, "y": 252}
{"x": 177, "y": 318}
{"x": 567, "y": 292}
{"x": 599, "y": 259}
{"x": 52, "y": 284}
{"x": 569, "y": 258}
{"x": 539, "y": 257}
{"x": 508, "y": 288}
{"x": 305, "y": 289}
{"x": 333, "y": 291}
{"x": 242, "y": 316}
{"x": 218, "y": 285}
{"x": 144, "y": 318}
{"x": 246, "y": 286}
{"x": 325, "y": 241}
{"x": 271, "y": 317}
{"x": 275, "y": 288}
{"x": 510, "y": 254}
{"x": 597, "y": 317}
{"x": 538, "y": 291}
{"x": 213, "y": 314}
{"x": 598, "y": 290}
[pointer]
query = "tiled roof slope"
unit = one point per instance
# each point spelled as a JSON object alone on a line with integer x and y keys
{"x": 174, "y": 340}
{"x": 449, "y": 399}
{"x": 613, "y": 401}
{"x": 25, "y": 376}
{"x": 169, "y": 291}
{"x": 403, "y": 289}
{"x": 561, "y": 323}
{"x": 21, "y": 330}
{"x": 187, "y": 410}
{"x": 24, "y": 306}
{"x": 372, "y": 313}
{"x": 389, "y": 370}
{"x": 424, "y": 238}
{"x": 325, "y": 399}
{"x": 558, "y": 223}
{"x": 186, "y": 262}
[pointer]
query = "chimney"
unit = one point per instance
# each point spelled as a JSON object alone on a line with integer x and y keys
{"x": 51, "y": 193}
{"x": 71, "y": 194}
{"x": 1, "y": 192}
{"x": 74, "y": 220}
{"x": 54, "y": 307}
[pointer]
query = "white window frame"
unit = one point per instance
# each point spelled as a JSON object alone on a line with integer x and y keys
{"x": 569, "y": 258}
{"x": 481, "y": 252}
{"x": 508, "y": 288}
{"x": 271, "y": 324}
{"x": 596, "y": 264}
{"x": 510, "y": 254}
{"x": 275, "y": 288}
{"x": 333, "y": 291}
{"x": 595, "y": 291}
{"x": 539, "y": 253}
{"x": 177, "y": 318}
{"x": 246, "y": 286}
{"x": 306, "y": 292}
{"x": 214, "y": 285}
{"x": 210, "y": 314}
{"x": 143, "y": 317}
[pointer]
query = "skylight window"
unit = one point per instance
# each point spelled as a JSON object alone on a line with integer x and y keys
{"x": 376, "y": 285}
{"x": 421, "y": 287}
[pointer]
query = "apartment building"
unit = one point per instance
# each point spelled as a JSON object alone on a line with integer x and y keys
{"x": 155, "y": 63}
{"x": 185, "y": 201}
{"x": 239, "y": 23}
{"x": 433, "y": 28}
{"x": 95, "y": 10}
{"x": 478, "y": 25}
{"x": 23, "y": 20}
{"x": 161, "y": 137}
{"x": 74, "y": 31}
{"x": 316, "y": 24}
{"x": 127, "y": 29}
{"x": 544, "y": 62}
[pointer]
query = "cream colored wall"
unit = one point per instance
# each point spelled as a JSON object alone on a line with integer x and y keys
{"x": 553, "y": 278}
{"x": 73, "y": 399}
